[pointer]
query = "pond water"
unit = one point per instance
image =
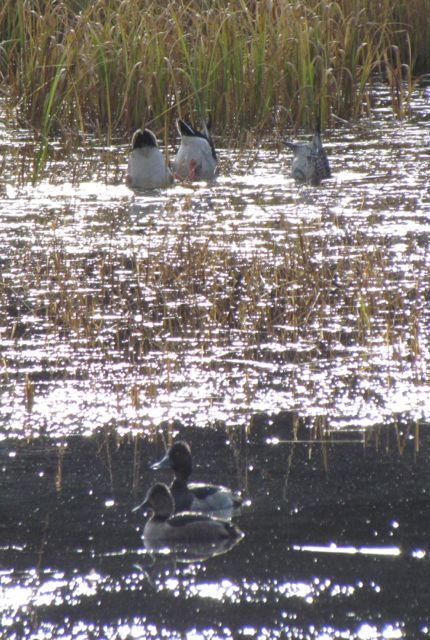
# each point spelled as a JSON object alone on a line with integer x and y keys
{"x": 211, "y": 303}
{"x": 336, "y": 540}
{"x": 282, "y": 330}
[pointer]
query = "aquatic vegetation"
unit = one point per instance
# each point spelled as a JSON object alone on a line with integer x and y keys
{"x": 110, "y": 65}
{"x": 206, "y": 303}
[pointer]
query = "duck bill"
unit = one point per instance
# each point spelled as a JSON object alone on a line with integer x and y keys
{"x": 164, "y": 463}
{"x": 143, "y": 505}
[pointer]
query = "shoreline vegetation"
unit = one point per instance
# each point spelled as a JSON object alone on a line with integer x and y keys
{"x": 108, "y": 66}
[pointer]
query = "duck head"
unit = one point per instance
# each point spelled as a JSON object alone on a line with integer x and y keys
{"x": 159, "y": 500}
{"x": 178, "y": 458}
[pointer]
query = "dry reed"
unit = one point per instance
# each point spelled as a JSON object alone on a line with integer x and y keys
{"x": 109, "y": 65}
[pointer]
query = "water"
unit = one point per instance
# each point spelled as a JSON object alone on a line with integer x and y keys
{"x": 242, "y": 316}
{"x": 202, "y": 299}
{"x": 335, "y": 545}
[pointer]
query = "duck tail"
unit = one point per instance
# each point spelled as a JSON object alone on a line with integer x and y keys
{"x": 207, "y": 126}
{"x": 237, "y": 500}
{"x": 184, "y": 129}
{"x": 145, "y": 138}
{"x": 317, "y": 135}
{"x": 233, "y": 531}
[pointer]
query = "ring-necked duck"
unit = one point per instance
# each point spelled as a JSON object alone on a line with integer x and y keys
{"x": 310, "y": 162}
{"x": 165, "y": 527}
{"x": 196, "y": 158}
{"x": 194, "y": 496}
{"x": 147, "y": 167}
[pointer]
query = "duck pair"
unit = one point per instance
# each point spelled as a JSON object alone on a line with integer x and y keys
{"x": 193, "y": 504}
{"x": 196, "y": 158}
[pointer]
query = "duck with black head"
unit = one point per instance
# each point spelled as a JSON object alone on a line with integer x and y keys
{"x": 194, "y": 496}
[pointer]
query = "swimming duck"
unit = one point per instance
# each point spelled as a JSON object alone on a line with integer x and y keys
{"x": 164, "y": 527}
{"x": 196, "y": 158}
{"x": 310, "y": 162}
{"x": 147, "y": 168}
{"x": 194, "y": 496}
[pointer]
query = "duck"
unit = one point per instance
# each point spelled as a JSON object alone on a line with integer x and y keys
{"x": 164, "y": 527}
{"x": 147, "y": 167}
{"x": 310, "y": 163}
{"x": 196, "y": 158}
{"x": 194, "y": 496}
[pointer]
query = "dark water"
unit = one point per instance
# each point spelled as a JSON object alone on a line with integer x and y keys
{"x": 284, "y": 331}
{"x": 336, "y": 540}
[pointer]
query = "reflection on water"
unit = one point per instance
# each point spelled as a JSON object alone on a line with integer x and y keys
{"x": 211, "y": 303}
{"x": 192, "y": 552}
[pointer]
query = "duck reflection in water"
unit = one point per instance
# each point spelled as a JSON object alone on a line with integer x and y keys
{"x": 192, "y": 535}
{"x": 193, "y": 496}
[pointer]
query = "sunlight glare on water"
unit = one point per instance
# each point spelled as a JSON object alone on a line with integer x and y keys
{"x": 214, "y": 302}
{"x": 280, "y": 316}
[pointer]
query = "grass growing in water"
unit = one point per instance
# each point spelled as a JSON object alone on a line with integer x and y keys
{"x": 109, "y": 65}
{"x": 283, "y": 293}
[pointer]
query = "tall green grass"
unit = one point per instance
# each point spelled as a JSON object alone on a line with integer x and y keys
{"x": 109, "y": 65}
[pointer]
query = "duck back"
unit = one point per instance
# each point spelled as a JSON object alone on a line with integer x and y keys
{"x": 191, "y": 527}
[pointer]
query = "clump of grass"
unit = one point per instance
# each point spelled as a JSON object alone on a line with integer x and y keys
{"x": 288, "y": 292}
{"x": 189, "y": 298}
{"x": 111, "y": 65}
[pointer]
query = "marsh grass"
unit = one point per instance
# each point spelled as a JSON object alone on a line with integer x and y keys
{"x": 110, "y": 66}
{"x": 204, "y": 299}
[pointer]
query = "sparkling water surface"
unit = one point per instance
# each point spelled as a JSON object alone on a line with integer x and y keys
{"x": 282, "y": 330}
